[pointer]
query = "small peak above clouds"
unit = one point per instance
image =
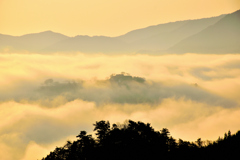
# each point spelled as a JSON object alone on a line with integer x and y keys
{"x": 125, "y": 78}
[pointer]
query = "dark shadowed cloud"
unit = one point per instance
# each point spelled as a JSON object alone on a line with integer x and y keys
{"x": 120, "y": 88}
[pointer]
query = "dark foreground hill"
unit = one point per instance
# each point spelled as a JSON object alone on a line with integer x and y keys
{"x": 137, "y": 140}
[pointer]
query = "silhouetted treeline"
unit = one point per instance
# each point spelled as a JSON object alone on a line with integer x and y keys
{"x": 137, "y": 140}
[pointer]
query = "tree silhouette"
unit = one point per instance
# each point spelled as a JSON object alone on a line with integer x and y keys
{"x": 137, "y": 140}
{"x": 102, "y": 128}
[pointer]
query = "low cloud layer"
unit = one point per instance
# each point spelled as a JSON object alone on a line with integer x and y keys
{"x": 47, "y": 99}
{"x": 120, "y": 88}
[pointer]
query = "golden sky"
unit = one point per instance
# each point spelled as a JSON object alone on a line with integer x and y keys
{"x": 102, "y": 17}
{"x": 196, "y": 96}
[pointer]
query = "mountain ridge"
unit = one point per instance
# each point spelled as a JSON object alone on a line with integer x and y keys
{"x": 221, "y": 37}
{"x": 172, "y": 37}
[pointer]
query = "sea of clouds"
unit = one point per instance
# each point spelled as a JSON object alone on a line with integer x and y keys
{"x": 46, "y": 100}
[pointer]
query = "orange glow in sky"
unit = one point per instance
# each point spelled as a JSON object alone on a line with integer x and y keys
{"x": 102, "y": 17}
{"x": 46, "y": 99}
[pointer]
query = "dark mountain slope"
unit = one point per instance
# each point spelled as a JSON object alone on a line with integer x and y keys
{"x": 150, "y": 31}
{"x": 222, "y": 37}
{"x": 164, "y": 40}
{"x": 151, "y": 38}
{"x": 7, "y": 42}
{"x": 208, "y": 35}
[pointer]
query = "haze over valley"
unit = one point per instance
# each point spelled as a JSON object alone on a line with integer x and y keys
{"x": 182, "y": 74}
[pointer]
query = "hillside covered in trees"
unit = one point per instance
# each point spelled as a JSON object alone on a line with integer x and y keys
{"x": 137, "y": 140}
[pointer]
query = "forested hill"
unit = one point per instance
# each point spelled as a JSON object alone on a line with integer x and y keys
{"x": 137, "y": 140}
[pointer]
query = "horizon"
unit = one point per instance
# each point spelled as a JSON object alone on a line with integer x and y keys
{"x": 183, "y": 76}
{"x": 124, "y": 33}
{"x": 104, "y": 18}
{"x": 121, "y": 34}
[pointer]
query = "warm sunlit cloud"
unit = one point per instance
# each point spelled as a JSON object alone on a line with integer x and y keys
{"x": 23, "y": 74}
{"x": 43, "y": 106}
{"x": 47, "y": 99}
{"x": 39, "y": 129}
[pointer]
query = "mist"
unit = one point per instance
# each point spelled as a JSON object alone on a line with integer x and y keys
{"x": 46, "y": 100}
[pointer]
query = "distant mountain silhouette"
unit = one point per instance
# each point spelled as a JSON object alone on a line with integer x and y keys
{"x": 222, "y": 37}
{"x": 219, "y": 34}
{"x": 163, "y": 36}
{"x": 88, "y": 44}
{"x": 30, "y": 42}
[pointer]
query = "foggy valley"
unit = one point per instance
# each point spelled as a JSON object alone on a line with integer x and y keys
{"x": 182, "y": 75}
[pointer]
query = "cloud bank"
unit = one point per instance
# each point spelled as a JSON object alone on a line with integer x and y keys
{"x": 47, "y": 99}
